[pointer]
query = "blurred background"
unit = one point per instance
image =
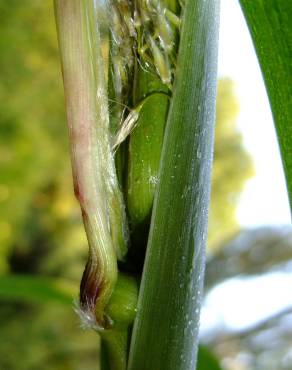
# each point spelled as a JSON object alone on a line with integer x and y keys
{"x": 247, "y": 312}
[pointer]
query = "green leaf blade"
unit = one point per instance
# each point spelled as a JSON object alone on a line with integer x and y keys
{"x": 270, "y": 26}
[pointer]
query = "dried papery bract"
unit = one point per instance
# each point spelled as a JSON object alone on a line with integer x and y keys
{"x": 156, "y": 38}
{"x": 141, "y": 31}
{"x": 141, "y": 37}
{"x": 95, "y": 180}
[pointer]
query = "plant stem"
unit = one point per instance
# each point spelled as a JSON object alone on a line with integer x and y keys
{"x": 122, "y": 310}
{"x": 165, "y": 333}
{"x": 115, "y": 347}
{"x": 145, "y": 144}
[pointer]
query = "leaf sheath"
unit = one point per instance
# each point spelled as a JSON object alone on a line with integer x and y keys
{"x": 166, "y": 327}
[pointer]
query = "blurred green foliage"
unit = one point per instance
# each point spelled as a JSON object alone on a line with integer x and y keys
{"x": 37, "y": 205}
{"x": 45, "y": 337}
{"x": 41, "y": 231}
{"x": 40, "y": 225}
{"x": 29, "y": 288}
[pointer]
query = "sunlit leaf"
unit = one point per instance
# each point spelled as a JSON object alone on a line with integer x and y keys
{"x": 206, "y": 360}
{"x": 271, "y": 29}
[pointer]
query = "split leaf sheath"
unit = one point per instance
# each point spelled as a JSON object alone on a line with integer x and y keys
{"x": 95, "y": 181}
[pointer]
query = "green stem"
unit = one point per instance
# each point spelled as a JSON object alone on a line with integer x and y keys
{"x": 165, "y": 334}
{"x": 122, "y": 310}
{"x": 114, "y": 345}
{"x": 145, "y": 146}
